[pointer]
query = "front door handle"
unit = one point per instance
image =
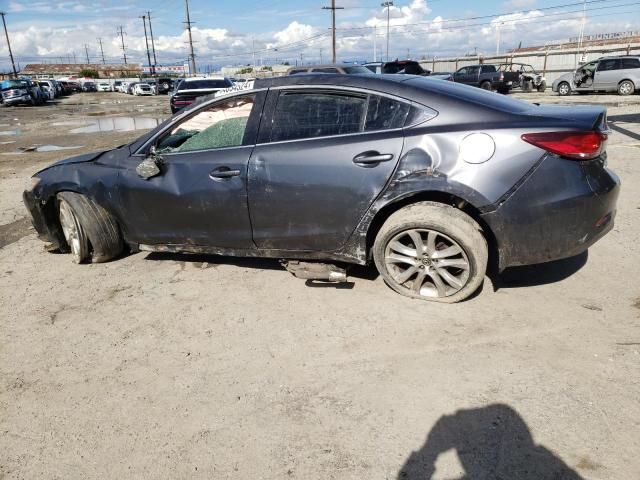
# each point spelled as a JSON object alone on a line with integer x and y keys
{"x": 368, "y": 158}
{"x": 223, "y": 172}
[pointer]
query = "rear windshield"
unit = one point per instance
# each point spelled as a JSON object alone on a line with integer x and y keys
{"x": 357, "y": 70}
{"x": 472, "y": 94}
{"x": 203, "y": 84}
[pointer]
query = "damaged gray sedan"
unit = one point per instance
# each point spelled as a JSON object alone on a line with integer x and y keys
{"x": 428, "y": 180}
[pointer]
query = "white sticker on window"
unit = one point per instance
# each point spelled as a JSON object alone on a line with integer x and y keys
{"x": 237, "y": 87}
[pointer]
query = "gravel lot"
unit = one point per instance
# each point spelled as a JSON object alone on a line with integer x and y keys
{"x": 177, "y": 366}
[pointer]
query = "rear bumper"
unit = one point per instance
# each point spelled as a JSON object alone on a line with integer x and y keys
{"x": 559, "y": 211}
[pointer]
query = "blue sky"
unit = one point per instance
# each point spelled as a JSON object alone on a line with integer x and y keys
{"x": 227, "y": 32}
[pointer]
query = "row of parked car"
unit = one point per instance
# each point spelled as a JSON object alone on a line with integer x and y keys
{"x": 147, "y": 87}
{"x": 24, "y": 91}
{"x": 619, "y": 74}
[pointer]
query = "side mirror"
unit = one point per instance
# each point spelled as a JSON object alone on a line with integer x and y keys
{"x": 149, "y": 167}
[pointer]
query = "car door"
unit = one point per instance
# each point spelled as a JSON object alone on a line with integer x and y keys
{"x": 607, "y": 74}
{"x": 584, "y": 76}
{"x": 460, "y": 75}
{"x": 199, "y": 196}
{"x": 322, "y": 158}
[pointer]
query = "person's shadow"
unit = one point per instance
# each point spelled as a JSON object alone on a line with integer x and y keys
{"x": 492, "y": 443}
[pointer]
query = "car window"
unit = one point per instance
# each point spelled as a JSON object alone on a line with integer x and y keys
{"x": 589, "y": 66}
{"x": 391, "y": 68}
{"x": 384, "y": 113}
{"x": 325, "y": 70}
{"x": 462, "y": 71}
{"x": 217, "y": 126}
{"x": 610, "y": 64}
{"x": 293, "y": 72}
{"x": 488, "y": 68}
{"x": 317, "y": 114}
{"x": 413, "y": 69}
{"x": 473, "y": 70}
{"x": 630, "y": 63}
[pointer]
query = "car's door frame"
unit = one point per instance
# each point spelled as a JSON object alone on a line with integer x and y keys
{"x": 142, "y": 152}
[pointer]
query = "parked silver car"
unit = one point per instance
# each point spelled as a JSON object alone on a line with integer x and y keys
{"x": 608, "y": 74}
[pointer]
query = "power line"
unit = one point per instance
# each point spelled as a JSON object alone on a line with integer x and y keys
{"x": 124, "y": 48}
{"x": 13, "y": 65}
{"x": 333, "y": 9}
{"x": 191, "y": 55}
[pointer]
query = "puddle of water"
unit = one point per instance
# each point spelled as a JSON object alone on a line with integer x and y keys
{"x": 40, "y": 149}
{"x": 11, "y": 132}
{"x": 118, "y": 124}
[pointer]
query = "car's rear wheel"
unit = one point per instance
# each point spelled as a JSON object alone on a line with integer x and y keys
{"x": 626, "y": 87}
{"x": 431, "y": 251}
{"x": 564, "y": 88}
{"x": 91, "y": 233}
{"x": 542, "y": 87}
{"x": 486, "y": 85}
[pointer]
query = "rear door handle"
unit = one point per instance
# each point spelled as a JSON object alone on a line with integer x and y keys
{"x": 368, "y": 158}
{"x": 223, "y": 172}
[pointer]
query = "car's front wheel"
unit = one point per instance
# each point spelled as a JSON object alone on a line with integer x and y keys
{"x": 90, "y": 232}
{"x": 564, "y": 89}
{"x": 431, "y": 251}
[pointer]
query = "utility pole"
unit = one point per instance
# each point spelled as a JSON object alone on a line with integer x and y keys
{"x": 320, "y": 56}
{"x": 192, "y": 55}
{"x": 388, "y": 5}
{"x": 144, "y": 21}
{"x": 153, "y": 45}
{"x": 86, "y": 51}
{"x": 375, "y": 41}
{"x": 584, "y": 19}
{"x": 333, "y": 9}
{"x": 124, "y": 49}
{"x": 75, "y": 60}
{"x": 101, "y": 50}
{"x": 13, "y": 65}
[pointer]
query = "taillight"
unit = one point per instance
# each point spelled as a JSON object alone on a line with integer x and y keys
{"x": 502, "y": 77}
{"x": 574, "y": 145}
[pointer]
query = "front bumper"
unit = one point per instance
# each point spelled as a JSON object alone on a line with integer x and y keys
{"x": 17, "y": 100}
{"x": 560, "y": 210}
{"x": 48, "y": 230}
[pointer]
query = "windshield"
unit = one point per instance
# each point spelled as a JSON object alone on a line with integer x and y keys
{"x": 203, "y": 84}
{"x": 7, "y": 84}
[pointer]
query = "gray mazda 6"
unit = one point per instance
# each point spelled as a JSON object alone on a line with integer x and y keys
{"x": 426, "y": 179}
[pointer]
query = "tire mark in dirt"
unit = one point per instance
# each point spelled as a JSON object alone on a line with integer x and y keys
{"x": 14, "y": 231}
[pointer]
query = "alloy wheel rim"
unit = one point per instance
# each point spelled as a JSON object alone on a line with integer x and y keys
{"x": 427, "y": 263}
{"x": 564, "y": 88}
{"x": 625, "y": 88}
{"x": 71, "y": 230}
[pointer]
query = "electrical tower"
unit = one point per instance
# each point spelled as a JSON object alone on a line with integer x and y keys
{"x": 13, "y": 65}
{"x": 333, "y": 9}
{"x": 101, "y": 50}
{"x": 192, "y": 55}
{"x": 124, "y": 48}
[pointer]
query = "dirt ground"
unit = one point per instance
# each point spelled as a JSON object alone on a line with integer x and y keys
{"x": 174, "y": 366}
